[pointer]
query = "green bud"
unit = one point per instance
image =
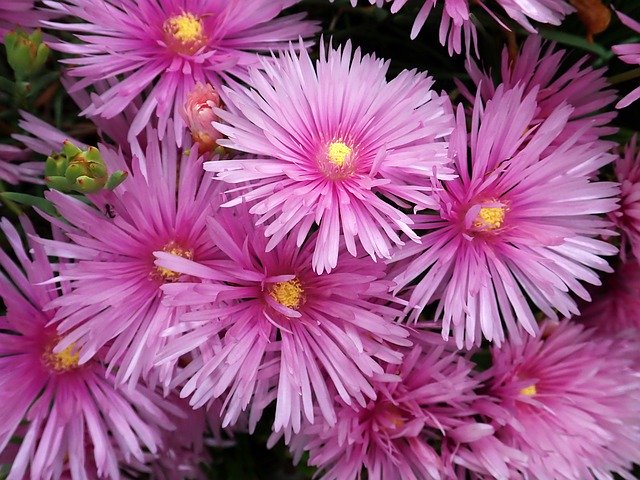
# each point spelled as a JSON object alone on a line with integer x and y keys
{"x": 26, "y": 54}
{"x": 82, "y": 171}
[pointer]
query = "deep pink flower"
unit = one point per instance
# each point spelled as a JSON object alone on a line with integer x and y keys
{"x": 627, "y": 219}
{"x": 330, "y": 141}
{"x": 269, "y": 328}
{"x": 518, "y": 224}
{"x": 570, "y": 401}
{"x": 422, "y": 407}
{"x": 116, "y": 288}
{"x": 19, "y": 13}
{"x": 616, "y": 305}
{"x": 15, "y": 166}
{"x": 628, "y": 53}
{"x": 536, "y": 67}
{"x": 199, "y": 115}
{"x": 61, "y": 410}
{"x": 164, "y": 47}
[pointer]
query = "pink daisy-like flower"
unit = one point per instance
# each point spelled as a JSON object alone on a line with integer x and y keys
{"x": 616, "y": 305}
{"x": 329, "y": 142}
{"x": 270, "y": 328}
{"x": 518, "y": 224}
{"x": 627, "y": 219}
{"x": 457, "y": 22}
{"x": 569, "y": 400}
{"x": 410, "y": 429}
{"x": 116, "y": 288}
{"x": 15, "y": 166}
{"x": 628, "y": 53}
{"x": 57, "y": 406}
{"x": 163, "y": 48}
{"x": 536, "y": 67}
{"x": 19, "y": 13}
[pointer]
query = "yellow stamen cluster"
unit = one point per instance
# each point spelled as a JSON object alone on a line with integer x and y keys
{"x": 288, "y": 294}
{"x": 186, "y": 28}
{"x": 338, "y": 152}
{"x": 529, "y": 391}
{"x": 175, "y": 249}
{"x": 63, "y": 361}
{"x": 490, "y": 218}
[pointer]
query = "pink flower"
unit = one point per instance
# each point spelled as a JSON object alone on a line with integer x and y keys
{"x": 199, "y": 116}
{"x": 61, "y": 410}
{"x": 421, "y": 415}
{"x": 116, "y": 288}
{"x": 165, "y": 48}
{"x": 15, "y": 166}
{"x": 329, "y": 142}
{"x": 628, "y": 53}
{"x": 627, "y": 219}
{"x": 19, "y": 13}
{"x": 267, "y": 327}
{"x": 519, "y": 224}
{"x": 536, "y": 67}
{"x": 569, "y": 400}
{"x": 616, "y": 305}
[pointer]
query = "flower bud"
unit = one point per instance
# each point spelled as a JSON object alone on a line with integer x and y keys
{"x": 79, "y": 170}
{"x": 26, "y": 54}
{"x": 199, "y": 115}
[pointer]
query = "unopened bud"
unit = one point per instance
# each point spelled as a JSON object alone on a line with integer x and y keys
{"x": 199, "y": 116}
{"x": 79, "y": 170}
{"x": 26, "y": 54}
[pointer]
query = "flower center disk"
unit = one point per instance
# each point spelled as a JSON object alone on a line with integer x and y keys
{"x": 289, "y": 294}
{"x": 529, "y": 391}
{"x": 175, "y": 249}
{"x": 490, "y": 218}
{"x": 63, "y": 361}
{"x": 184, "y": 33}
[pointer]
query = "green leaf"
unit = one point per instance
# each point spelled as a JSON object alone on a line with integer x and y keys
{"x": 30, "y": 200}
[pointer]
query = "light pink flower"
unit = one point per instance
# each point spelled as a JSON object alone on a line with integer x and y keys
{"x": 61, "y": 410}
{"x": 537, "y": 66}
{"x": 268, "y": 328}
{"x": 199, "y": 115}
{"x": 20, "y": 13}
{"x": 570, "y": 401}
{"x": 628, "y": 53}
{"x": 16, "y": 167}
{"x": 162, "y": 49}
{"x": 519, "y": 224}
{"x": 329, "y": 141}
{"x": 116, "y": 288}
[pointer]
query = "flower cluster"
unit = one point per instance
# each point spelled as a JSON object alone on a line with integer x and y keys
{"x": 253, "y": 231}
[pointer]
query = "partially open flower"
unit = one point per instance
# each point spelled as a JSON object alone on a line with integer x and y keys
{"x": 199, "y": 116}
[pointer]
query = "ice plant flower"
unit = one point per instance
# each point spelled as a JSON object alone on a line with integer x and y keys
{"x": 627, "y": 219}
{"x": 570, "y": 401}
{"x": 405, "y": 430}
{"x": 628, "y": 53}
{"x": 199, "y": 115}
{"x": 270, "y": 328}
{"x": 616, "y": 305}
{"x": 15, "y": 166}
{"x": 519, "y": 224}
{"x": 60, "y": 409}
{"x": 116, "y": 288}
{"x": 19, "y": 13}
{"x": 537, "y": 66}
{"x": 326, "y": 149}
{"x": 164, "y": 48}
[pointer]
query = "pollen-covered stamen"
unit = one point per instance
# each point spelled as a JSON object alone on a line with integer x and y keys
{"x": 338, "y": 153}
{"x": 63, "y": 361}
{"x": 289, "y": 294}
{"x": 529, "y": 391}
{"x": 490, "y": 218}
{"x": 175, "y": 249}
{"x": 184, "y": 33}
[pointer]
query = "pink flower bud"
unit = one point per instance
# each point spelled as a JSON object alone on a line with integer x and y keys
{"x": 199, "y": 116}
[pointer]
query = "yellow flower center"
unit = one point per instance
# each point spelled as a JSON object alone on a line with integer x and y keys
{"x": 184, "y": 33}
{"x": 175, "y": 249}
{"x": 338, "y": 152}
{"x": 63, "y": 361}
{"x": 289, "y": 294}
{"x": 529, "y": 391}
{"x": 490, "y": 218}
